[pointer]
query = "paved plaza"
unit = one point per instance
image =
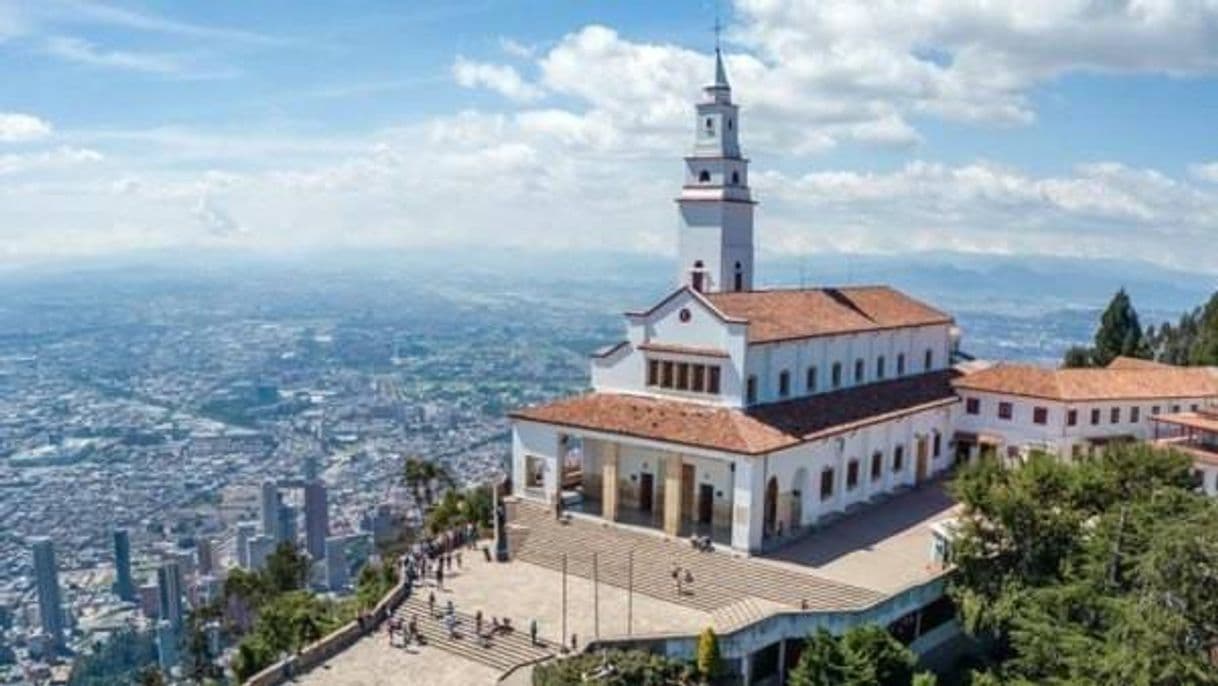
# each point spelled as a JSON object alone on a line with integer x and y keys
{"x": 857, "y": 560}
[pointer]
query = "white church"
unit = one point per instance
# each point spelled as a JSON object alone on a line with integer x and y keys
{"x": 754, "y": 415}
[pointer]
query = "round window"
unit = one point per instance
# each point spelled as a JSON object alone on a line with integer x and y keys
{"x": 685, "y": 314}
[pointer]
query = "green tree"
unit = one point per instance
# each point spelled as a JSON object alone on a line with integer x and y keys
{"x": 614, "y": 668}
{"x": 1098, "y": 572}
{"x": 1120, "y": 332}
{"x": 709, "y": 660}
{"x": 287, "y": 569}
{"x": 863, "y": 656}
{"x": 151, "y": 676}
{"x": 423, "y": 476}
{"x": 1077, "y": 356}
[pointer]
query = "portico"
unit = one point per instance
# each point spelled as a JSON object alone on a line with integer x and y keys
{"x": 679, "y": 490}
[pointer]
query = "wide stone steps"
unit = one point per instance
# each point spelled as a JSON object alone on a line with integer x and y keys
{"x": 720, "y": 580}
{"x": 503, "y": 652}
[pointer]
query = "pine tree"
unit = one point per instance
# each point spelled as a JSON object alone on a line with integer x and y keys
{"x": 1120, "y": 333}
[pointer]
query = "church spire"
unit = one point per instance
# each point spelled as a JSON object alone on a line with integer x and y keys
{"x": 720, "y": 72}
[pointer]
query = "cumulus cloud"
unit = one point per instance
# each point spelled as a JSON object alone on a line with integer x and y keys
{"x": 596, "y": 164}
{"x": 501, "y": 78}
{"x": 15, "y": 127}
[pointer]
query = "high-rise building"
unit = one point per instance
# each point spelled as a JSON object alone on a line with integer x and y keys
{"x": 317, "y": 518}
{"x": 258, "y": 549}
{"x": 206, "y": 556}
{"x": 336, "y": 563}
{"x": 46, "y": 579}
{"x": 270, "y": 508}
{"x": 286, "y": 531}
{"x": 169, "y": 586}
{"x": 124, "y": 588}
{"x": 246, "y": 531}
{"x": 150, "y": 600}
{"x": 166, "y": 645}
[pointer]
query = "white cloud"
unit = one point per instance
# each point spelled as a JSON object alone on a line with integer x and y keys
{"x": 15, "y": 127}
{"x": 501, "y": 78}
{"x": 214, "y": 219}
{"x": 597, "y": 164}
{"x": 87, "y": 53}
{"x": 54, "y": 159}
{"x": 515, "y": 48}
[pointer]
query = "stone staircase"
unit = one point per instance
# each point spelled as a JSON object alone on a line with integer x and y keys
{"x": 504, "y": 651}
{"x": 720, "y": 580}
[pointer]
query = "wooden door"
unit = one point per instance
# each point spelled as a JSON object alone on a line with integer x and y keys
{"x": 706, "y": 504}
{"x": 647, "y": 484}
{"x": 923, "y": 461}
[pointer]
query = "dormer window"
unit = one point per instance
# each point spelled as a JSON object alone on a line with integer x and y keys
{"x": 704, "y": 176}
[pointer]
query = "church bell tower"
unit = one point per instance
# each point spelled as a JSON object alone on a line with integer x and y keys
{"x": 715, "y": 238}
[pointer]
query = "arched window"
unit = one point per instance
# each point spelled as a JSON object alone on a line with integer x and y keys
{"x": 837, "y": 374}
{"x": 898, "y": 458}
{"x": 901, "y": 364}
{"x": 704, "y": 176}
{"x": 710, "y": 124}
{"x": 739, "y": 277}
{"x": 735, "y": 178}
{"x": 860, "y": 370}
{"x": 784, "y": 383}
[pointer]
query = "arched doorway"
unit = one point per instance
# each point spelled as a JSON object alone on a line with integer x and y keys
{"x": 771, "y": 506}
{"x": 798, "y": 487}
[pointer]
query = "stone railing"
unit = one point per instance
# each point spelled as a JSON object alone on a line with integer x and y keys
{"x": 330, "y": 645}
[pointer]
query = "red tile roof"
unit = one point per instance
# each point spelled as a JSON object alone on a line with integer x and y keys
{"x": 1122, "y": 362}
{"x": 757, "y": 430}
{"x": 786, "y": 314}
{"x": 1128, "y": 383}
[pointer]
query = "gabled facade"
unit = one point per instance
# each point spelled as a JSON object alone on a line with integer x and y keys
{"x": 747, "y": 415}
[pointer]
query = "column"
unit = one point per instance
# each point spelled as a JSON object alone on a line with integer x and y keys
{"x": 782, "y": 661}
{"x": 748, "y": 505}
{"x": 609, "y": 482}
{"x": 672, "y": 494}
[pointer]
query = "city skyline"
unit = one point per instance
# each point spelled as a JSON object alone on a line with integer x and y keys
{"x": 884, "y": 128}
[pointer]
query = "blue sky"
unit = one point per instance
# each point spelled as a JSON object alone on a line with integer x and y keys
{"x": 1022, "y": 127}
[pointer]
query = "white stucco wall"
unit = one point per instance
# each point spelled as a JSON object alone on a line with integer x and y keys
{"x": 1022, "y": 433}
{"x": 625, "y": 371}
{"x": 767, "y": 361}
